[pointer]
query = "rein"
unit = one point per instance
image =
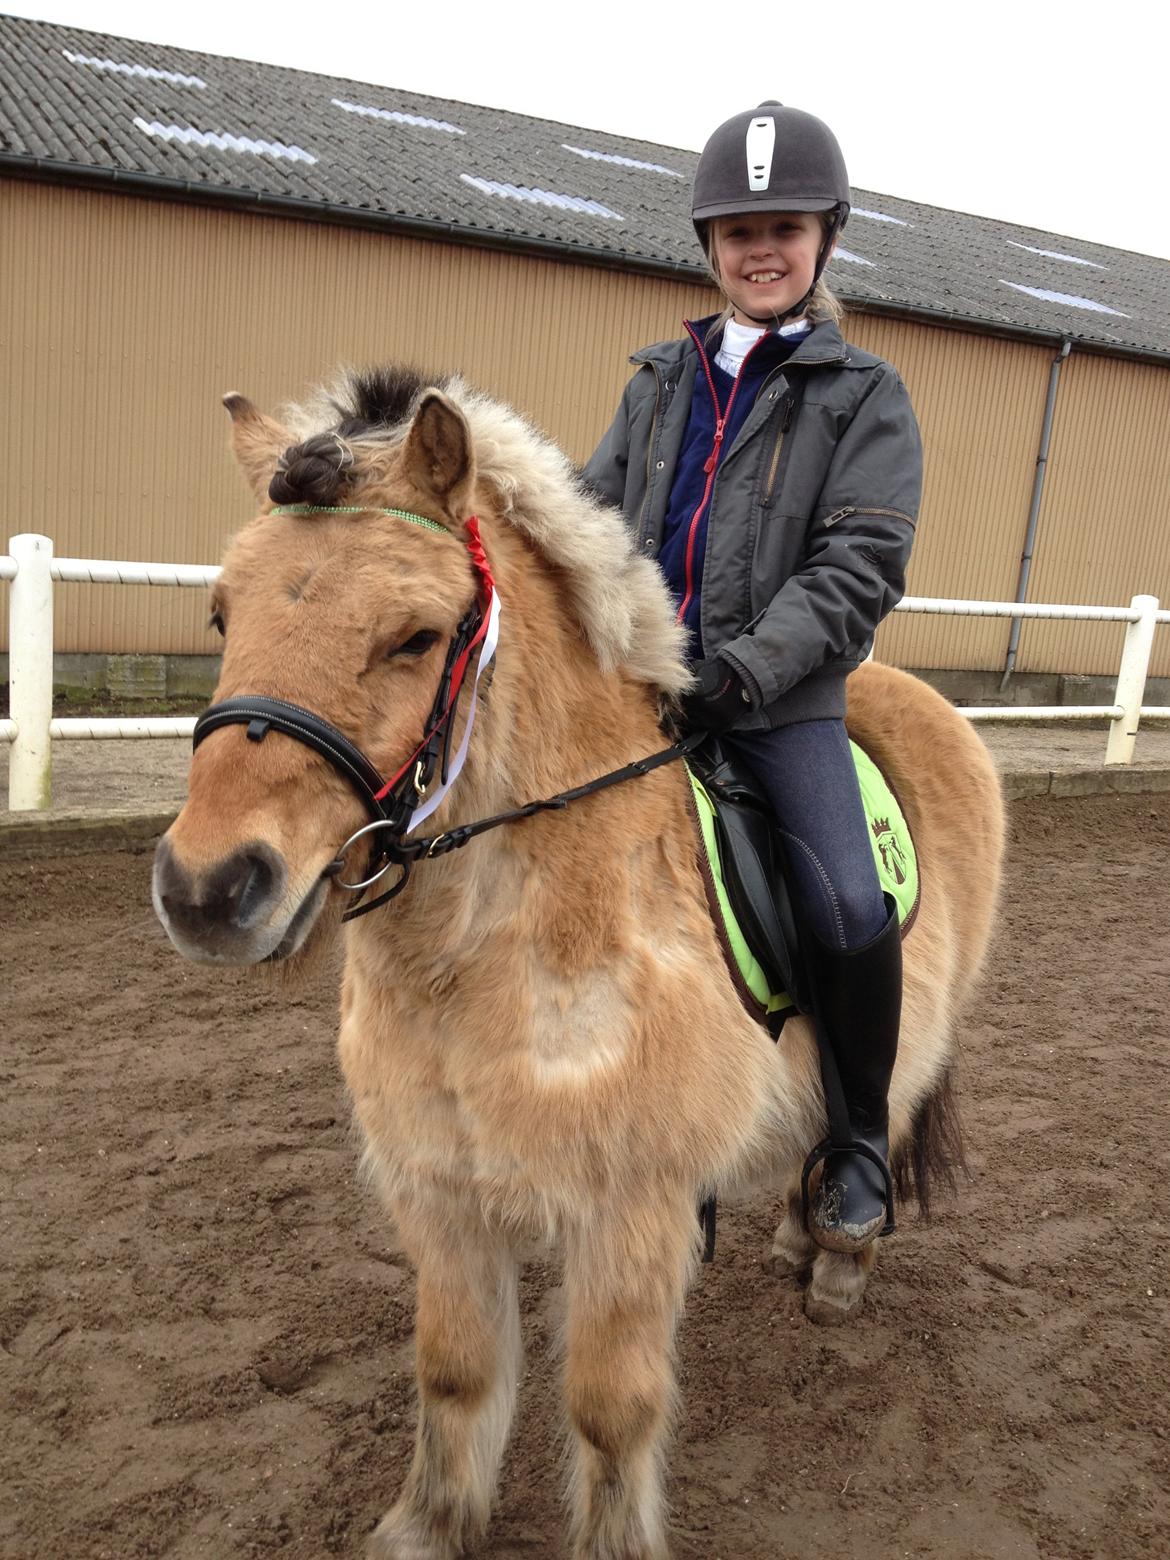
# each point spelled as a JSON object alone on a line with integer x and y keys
{"x": 397, "y": 805}
{"x": 404, "y": 853}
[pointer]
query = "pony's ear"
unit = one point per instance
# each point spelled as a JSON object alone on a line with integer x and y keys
{"x": 437, "y": 453}
{"x": 257, "y": 443}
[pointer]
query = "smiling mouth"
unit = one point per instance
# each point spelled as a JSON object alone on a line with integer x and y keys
{"x": 765, "y": 278}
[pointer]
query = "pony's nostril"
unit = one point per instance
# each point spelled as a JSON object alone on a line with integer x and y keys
{"x": 235, "y": 895}
{"x": 243, "y": 887}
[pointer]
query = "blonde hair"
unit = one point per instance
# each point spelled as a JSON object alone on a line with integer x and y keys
{"x": 823, "y": 305}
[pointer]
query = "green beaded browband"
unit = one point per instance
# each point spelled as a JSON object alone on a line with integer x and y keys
{"x": 358, "y": 509}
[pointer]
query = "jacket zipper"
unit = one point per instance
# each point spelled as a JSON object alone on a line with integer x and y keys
{"x": 712, "y": 461}
{"x": 854, "y": 509}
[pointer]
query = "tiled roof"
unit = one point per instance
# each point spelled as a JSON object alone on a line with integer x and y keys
{"x": 88, "y": 105}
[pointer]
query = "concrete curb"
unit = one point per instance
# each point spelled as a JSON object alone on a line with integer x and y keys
{"x": 1120, "y": 781}
{"x": 28, "y": 836}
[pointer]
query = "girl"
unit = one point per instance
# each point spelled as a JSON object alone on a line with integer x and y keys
{"x": 775, "y": 473}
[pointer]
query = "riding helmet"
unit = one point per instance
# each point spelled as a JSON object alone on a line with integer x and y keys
{"x": 771, "y": 158}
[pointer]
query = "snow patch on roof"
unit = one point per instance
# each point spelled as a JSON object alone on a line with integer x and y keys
{"x": 1055, "y": 254}
{"x": 591, "y": 208}
{"x": 877, "y": 216}
{"x": 222, "y": 142}
{"x": 398, "y": 117}
{"x": 1070, "y": 299}
{"x": 622, "y": 162}
{"x": 174, "y": 76}
{"x": 847, "y": 254}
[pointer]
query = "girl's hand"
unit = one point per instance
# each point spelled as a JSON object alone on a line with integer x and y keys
{"x": 719, "y": 698}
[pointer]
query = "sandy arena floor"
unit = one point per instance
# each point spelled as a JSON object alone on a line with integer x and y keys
{"x": 205, "y": 1326}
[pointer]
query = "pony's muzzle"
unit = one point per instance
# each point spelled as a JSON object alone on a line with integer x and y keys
{"x": 223, "y": 913}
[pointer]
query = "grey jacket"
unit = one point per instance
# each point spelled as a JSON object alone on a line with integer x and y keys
{"x": 812, "y": 514}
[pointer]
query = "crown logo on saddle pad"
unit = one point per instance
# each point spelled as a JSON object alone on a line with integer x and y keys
{"x": 892, "y": 854}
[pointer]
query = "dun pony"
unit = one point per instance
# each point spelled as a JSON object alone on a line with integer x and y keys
{"x": 539, "y": 1036}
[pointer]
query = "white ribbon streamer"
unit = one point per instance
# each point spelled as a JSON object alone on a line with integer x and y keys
{"x": 490, "y": 640}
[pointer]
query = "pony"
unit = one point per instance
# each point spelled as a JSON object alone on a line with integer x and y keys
{"x": 539, "y": 1034}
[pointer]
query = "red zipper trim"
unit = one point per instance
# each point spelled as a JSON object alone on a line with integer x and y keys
{"x": 711, "y": 463}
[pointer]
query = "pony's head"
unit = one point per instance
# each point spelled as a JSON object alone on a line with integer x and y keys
{"x": 337, "y": 600}
{"x": 328, "y": 602}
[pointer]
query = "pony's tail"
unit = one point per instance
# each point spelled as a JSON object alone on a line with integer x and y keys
{"x": 933, "y": 1152}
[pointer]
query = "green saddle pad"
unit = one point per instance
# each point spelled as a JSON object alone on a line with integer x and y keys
{"x": 893, "y": 854}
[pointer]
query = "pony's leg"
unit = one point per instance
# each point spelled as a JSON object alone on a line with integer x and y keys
{"x": 838, "y": 1282}
{"x": 793, "y": 1248}
{"x": 838, "y": 1279}
{"x": 467, "y": 1343}
{"x": 626, "y": 1274}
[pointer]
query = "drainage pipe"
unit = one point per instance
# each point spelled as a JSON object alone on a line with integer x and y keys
{"x": 1034, "y": 512}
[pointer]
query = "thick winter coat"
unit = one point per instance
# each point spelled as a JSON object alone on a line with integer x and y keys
{"x": 812, "y": 511}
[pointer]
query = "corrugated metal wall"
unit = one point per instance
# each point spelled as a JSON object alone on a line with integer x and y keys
{"x": 1103, "y": 533}
{"x": 980, "y": 405}
{"x": 1104, "y": 526}
{"x": 122, "y": 321}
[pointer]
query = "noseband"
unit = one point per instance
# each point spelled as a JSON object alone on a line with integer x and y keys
{"x": 398, "y": 804}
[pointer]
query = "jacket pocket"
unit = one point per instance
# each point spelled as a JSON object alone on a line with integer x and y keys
{"x": 653, "y": 433}
{"x": 859, "y": 509}
{"x": 773, "y": 466}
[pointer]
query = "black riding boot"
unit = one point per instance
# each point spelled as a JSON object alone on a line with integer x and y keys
{"x": 858, "y": 1001}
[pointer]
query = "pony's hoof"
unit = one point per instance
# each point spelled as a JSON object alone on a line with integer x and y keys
{"x": 397, "y": 1537}
{"x": 788, "y": 1262}
{"x": 831, "y": 1310}
{"x": 838, "y": 1285}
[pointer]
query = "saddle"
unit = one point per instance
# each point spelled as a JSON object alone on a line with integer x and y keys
{"x": 747, "y": 887}
{"x": 747, "y": 890}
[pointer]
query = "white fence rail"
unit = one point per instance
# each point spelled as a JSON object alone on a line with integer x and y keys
{"x": 31, "y": 729}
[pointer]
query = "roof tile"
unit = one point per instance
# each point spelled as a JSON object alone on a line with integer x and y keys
{"x": 920, "y": 257}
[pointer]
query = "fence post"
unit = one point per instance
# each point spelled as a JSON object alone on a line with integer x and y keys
{"x": 30, "y": 673}
{"x": 1131, "y": 680}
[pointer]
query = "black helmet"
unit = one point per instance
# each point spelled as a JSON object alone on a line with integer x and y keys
{"x": 771, "y": 158}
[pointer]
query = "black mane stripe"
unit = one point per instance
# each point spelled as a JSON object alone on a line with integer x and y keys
{"x": 377, "y": 400}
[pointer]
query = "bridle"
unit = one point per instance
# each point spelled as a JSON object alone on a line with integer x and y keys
{"x": 399, "y": 804}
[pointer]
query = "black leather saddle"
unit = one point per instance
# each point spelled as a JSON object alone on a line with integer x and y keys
{"x": 752, "y": 859}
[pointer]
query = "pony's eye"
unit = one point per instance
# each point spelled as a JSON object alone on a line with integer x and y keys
{"x": 417, "y": 644}
{"x": 216, "y": 621}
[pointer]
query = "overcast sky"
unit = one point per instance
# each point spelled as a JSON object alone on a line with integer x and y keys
{"x": 1049, "y": 115}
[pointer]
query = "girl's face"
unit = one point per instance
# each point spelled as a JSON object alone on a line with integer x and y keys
{"x": 766, "y": 260}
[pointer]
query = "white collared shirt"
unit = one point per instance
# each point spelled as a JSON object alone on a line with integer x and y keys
{"x": 738, "y": 341}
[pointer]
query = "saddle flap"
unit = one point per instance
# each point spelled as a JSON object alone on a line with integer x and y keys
{"x": 752, "y": 865}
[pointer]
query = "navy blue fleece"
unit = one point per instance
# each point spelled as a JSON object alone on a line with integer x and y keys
{"x": 690, "y": 478}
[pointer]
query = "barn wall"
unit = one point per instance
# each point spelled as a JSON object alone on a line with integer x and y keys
{"x": 1103, "y": 533}
{"x": 123, "y": 320}
{"x": 1104, "y": 526}
{"x": 980, "y": 405}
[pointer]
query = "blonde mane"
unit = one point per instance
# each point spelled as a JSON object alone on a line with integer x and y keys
{"x": 617, "y": 597}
